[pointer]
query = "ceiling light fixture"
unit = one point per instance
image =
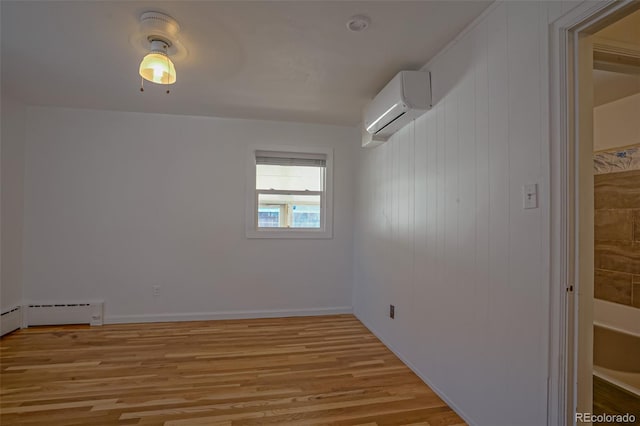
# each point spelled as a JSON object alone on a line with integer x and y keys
{"x": 156, "y": 66}
{"x": 358, "y": 23}
{"x": 158, "y": 35}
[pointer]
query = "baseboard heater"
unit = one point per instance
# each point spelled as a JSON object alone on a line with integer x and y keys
{"x": 63, "y": 313}
{"x": 10, "y": 320}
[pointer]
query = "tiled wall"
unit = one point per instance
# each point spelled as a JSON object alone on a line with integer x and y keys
{"x": 617, "y": 235}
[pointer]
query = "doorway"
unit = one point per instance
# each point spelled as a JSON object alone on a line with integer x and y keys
{"x": 572, "y": 217}
{"x": 616, "y": 168}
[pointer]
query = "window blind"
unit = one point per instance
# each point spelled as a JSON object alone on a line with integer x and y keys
{"x": 274, "y": 158}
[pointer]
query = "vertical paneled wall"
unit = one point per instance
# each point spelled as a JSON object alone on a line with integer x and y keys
{"x": 441, "y": 229}
{"x": 12, "y": 166}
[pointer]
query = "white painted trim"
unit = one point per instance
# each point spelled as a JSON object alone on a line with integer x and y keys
{"x": 27, "y": 303}
{"x": 555, "y": 230}
{"x": 614, "y": 316}
{"x": 11, "y": 320}
{"x": 251, "y": 231}
{"x": 222, "y": 315}
{"x": 420, "y": 374}
{"x": 600, "y": 324}
{"x": 604, "y": 375}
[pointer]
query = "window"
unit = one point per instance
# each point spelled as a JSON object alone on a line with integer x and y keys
{"x": 290, "y": 194}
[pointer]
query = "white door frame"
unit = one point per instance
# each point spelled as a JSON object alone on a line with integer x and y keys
{"x": 571, "y": 301}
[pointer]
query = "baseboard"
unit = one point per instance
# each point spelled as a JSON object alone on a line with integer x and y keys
{"x": 418, "y": 373}
{"x": 11, "y": 320}
{"x": 221, "y": 315}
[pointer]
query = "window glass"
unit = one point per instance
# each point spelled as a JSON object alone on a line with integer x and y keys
{"x": 268, "y": 216}
{"x": 288, "y": 211}
{"x": 292, "y": 196}
{"x": 305, "y": 216}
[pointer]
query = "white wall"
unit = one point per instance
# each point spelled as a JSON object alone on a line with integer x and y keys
{"x": 12, "y": 154}
{"x": 116, "y": 203}
{"x": 617, "y": 124}
{"x": 442, "y": 233}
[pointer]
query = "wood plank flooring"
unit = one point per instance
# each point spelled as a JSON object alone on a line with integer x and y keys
{"x": 326, "y": 370}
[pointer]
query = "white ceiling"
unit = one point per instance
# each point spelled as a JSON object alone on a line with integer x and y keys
{"x": 280, "y": 60}
{"x": 610, "y": 86}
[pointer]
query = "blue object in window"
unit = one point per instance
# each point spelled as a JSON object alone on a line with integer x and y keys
{"x": 268, "y": 217}
{"x": 306, "y": 216}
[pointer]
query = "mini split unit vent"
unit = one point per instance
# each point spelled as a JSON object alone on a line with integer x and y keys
{"x": 406, "y": 97}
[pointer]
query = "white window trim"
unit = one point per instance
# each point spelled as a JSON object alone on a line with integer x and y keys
{"x": 251, "y": 228}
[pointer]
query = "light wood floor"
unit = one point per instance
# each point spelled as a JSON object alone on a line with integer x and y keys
{"x": 284, "y": 371}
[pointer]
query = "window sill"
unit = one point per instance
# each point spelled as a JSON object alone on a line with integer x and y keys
{"x": 288, "y": 234}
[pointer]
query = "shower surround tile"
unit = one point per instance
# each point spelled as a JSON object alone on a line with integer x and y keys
{"x": 618, "y": 256}
{"x": 636, "y": 291}
{"x": 617, "y": 237}
{"x": 613, "y": 286}
{"x": 617, "y": 190}
{"x": 636, "y": 225}
{"x": 615, "y": 225}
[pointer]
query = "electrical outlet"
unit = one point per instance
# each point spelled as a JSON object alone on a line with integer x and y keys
{"x": 392, "y": 311}
{"x": 156, "y": 290}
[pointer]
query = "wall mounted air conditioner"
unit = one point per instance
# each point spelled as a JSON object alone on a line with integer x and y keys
{"x": 406, "y": 97}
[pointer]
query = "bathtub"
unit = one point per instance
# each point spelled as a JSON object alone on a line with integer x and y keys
{"x": 616, "y": 345}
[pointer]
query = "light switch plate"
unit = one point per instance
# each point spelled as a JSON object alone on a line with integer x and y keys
{"x": 530, "y": 196}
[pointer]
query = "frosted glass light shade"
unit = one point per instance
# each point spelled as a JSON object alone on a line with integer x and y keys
{"x": 158, "y": 68}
